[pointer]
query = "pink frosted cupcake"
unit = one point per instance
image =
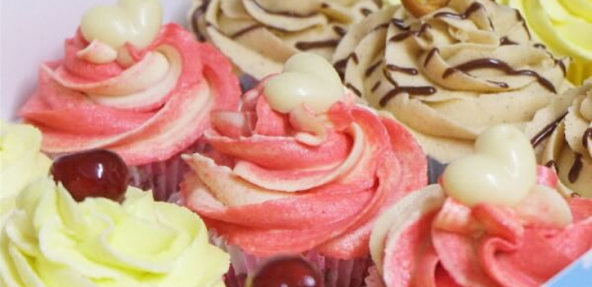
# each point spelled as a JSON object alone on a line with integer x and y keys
{"x": 491, "y": 222}
{"x": 135, "y": 88}
{"x": 301, "y": 170}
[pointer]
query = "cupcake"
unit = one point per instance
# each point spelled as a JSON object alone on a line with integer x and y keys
{"x": 564, "y": 27}
{"x": 260, "y": 35}
{"x": 563, "y": 132}
{"x": 131, "y": 86}
{"x": 21, "y": 162}
{"x": 491, "y": 222}
{"x": 301, "y": 170}
{"x": 52, "y": 240}
{"x": 450, "y": 74}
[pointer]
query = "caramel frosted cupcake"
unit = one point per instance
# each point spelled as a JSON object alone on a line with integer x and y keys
{"x": 452, "y": 73}
{"x": 564, "y": 26}
{"x": 564, "y": 131}
{"x": 260, "y": 35}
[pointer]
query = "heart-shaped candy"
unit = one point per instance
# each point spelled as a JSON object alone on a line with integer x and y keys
{"x": 502, "y": 170}
{"x": 306, "y": 79}
{"x": 129, "y": 21}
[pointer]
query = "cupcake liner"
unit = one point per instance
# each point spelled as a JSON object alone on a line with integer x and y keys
{"x": 579, "y": 71}
{"x": 373, "y": 279}
{"x": 336, "y": 272}
{"x": 163, "y": 177}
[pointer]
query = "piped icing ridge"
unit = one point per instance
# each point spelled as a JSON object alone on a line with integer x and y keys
{"x": 433, "y": 237}
{"x": 21, "y": 162}
{"x": 260, "y": 35}
{"x": 561, "y": 25}
{"x": 291, "y": 182}
{"x": 451, "y": 74}
{"x": 51, "y": 240}
{"x": 145, "y": 104}
{"x": 563, "y": 133}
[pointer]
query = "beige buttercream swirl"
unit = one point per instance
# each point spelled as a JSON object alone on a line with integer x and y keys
{"x": 260, "y": 35}
{"x": 452, "y": 73}
{"x": 567, "y": 122}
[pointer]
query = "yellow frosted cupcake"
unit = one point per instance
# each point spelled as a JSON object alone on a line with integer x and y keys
{"x": 52, "y": 240}
{"x": 565, "y": 27}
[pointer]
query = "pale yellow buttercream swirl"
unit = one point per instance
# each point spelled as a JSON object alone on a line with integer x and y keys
{"x": 52, "y": 241}
{"x": 452, "y": 73}
{"x": 564, "y": 26}
{"x": 260, "y": 35}
{"x": 21, "y": 161}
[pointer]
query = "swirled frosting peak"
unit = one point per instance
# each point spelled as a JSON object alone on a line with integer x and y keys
{"x": 53, "y": 241}
{"x": 453, "y": 73}
{"x": 318, "y": 178}
{"x": 147, "y": 104}
{"x": 260, "y": 35}
{"x": 21, "y": 161}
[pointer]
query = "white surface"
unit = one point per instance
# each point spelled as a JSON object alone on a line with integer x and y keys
{"x": 33, "y": 31}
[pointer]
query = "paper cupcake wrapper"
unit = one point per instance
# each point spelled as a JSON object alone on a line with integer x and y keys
{"x": 337, "y": 272}
{"x": 163, "y": 177}
{"x": 373, "y": 279}
{"x": 579, "y": 71}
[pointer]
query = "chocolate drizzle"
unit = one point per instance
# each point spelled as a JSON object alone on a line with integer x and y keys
{"x": 506, "y": 41}
{"x": 404, "y": 35}
{"x": 587, "y": 137}
{"x": 284, "y": 13}
{"x": 365, "y": 11}
{"x": 197, "y": 13}
{"x": 340, "y": 30}
{"x": 375, "y": 87}
{"x": 499, "y": 65}
{"x": 576, "y": 168}
{"x": 244, "y": 31}
{"x": 547, "y": 131}
{"x": 341, "y": 64}
{"x": 408, "y": 71}
{"x": 372, "y": 68}
{"x": 419, "y": 90}
{"x": 430, "y": 56}
{"x": 472, "y": 9}
{"x": 400, "y": 24}
{"x": 553, "y": 165}
{"x": 317, "y": 44}
{"x": 540, "y": 46}
{"x": 354, "y": 89}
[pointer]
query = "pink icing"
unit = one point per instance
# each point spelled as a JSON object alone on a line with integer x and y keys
{"x": 260, "y": 147}
{"x": 146, "y": 132}
{"x": 484, "y": 246}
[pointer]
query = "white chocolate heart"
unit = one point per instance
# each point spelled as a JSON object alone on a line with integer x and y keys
{"x": 502, "y": 170}
{"x": 129, "y": 21}
{"x": 306, "y": 79}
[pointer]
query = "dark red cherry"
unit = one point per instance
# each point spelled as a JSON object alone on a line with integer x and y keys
{"x": 93, "y": 173}
{"x": 287, "y": 272}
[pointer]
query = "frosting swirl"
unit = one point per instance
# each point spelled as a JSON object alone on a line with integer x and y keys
{"x": 50, "y": 240}
{"x": 452, "y": 73}
{"x": 563, "y": 131}
{"x": 429, "y": 239}
{"x": 273, "y": 176}
{"x": 560, "y": 25}
{"x": 143, "y": 111}
{"x": 260, "y": 35}
{"x": 21, "y": 161}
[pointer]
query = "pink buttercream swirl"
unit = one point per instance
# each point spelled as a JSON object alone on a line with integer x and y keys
{"x": 288, "y": 183}
{"x": 487, "y": 245}
{"x": 147, "y": 112}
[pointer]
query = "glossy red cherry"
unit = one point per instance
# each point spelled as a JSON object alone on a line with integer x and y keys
{"x": 94, "y": 173}
{"x": 287, "y": 272}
